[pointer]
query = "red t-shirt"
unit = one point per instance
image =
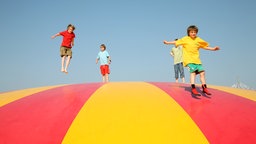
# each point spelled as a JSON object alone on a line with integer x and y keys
{"x": 67, "y": 38}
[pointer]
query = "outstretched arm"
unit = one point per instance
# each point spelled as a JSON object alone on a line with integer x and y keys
{"x": 170, "y": 42}
{"x": 57, "y": 34}
{"x": 212, "y": 48}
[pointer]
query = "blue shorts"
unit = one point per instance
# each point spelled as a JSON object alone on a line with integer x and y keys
{"x": 178, "y": 69}
{"x": 195, "y": 68}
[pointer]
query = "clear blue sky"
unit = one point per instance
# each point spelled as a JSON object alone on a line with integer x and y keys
{"x": 133, "y": 32}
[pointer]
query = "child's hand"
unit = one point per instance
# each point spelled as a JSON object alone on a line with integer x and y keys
{"x": 54, "y": 36}
{"x": 216, "y": 48}
{"x": 170, "y": 42}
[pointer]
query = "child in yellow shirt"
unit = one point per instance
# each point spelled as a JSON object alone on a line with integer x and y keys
{"x": 191, "y": 56}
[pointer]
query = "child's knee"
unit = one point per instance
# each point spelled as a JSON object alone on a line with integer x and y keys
{"x": 202, "y": 74}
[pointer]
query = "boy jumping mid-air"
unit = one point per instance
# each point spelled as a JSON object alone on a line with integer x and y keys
{"x": 66, "y": 45}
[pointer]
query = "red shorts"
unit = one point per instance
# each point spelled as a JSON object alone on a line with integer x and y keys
{"x": 104, "y": 69}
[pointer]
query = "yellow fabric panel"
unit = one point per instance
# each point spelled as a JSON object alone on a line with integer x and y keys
{"x": 132, "y": 113}
{"x": 249, "y": 94}
{"x": 9, "y": 97}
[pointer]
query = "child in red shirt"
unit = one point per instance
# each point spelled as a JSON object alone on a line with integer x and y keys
{"x": 66, "y": 45}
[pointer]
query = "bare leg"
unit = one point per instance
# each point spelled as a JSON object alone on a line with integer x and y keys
{"x": 192, "y": 78}
{"x": 62, "y": 63}
{"x": 106, "y": 78}
{"x": 183, "y": 80}
{"x": 202, "y": 77}
{"x": 176, "y": 81}
{"x": 103, "y": 79}
{"x": 67, "y": 64}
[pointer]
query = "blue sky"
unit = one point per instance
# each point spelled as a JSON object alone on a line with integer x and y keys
{"x": 133, "y": 32}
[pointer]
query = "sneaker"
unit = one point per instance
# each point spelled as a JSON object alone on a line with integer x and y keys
{"x": 194, "y": 92}
{"x": 205, "y": 90}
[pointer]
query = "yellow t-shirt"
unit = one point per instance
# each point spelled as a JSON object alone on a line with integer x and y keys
{"x": 191, "y": 49}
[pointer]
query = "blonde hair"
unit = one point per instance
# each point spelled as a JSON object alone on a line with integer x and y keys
{"x": 72, "y": 26}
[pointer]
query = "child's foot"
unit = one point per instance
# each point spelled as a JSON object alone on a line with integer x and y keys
{"x": 65, "y": 71}
{"x": 205, "y": 90}
{"x": 194, "y": 92}
{"x": 62, "y": 70}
